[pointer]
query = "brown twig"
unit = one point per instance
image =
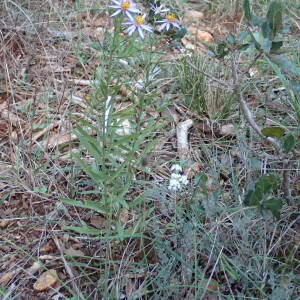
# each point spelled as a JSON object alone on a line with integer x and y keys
{"x": 219, "y": 81}
{"x": 245, "y": 109}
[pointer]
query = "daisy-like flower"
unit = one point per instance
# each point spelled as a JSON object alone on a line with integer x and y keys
{"x": 177, "y": 181}
{"x": 167, "y": 22}
{"x": 158, "y": 9}
{"x": 176, "y": 168}
{"x": 124, "y": 6}
{"x": 137, "y": 23}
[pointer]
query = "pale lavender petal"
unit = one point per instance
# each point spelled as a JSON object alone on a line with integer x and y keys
{"x": 115, "y": 13}
{"x": 164, "y": 10}
{"x": 147, "y": 27}
{"x": 128, "y": 29}
{"x": 168, "y": 26}
{"x": 130, "y": 17}
{"x": 114, "y": 6}
{"x": 131, "y": 30}
{"x": 134, "y": 10}
{"x": 176, "y": 25}
{"x": 141, "y": 32}
{"x": 161, "y": 21}
{"x": 162, "y": 27}
{"x": 117, "y": 2}
{"x": 128, "y": 14}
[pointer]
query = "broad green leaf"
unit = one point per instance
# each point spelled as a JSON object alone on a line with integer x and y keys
{"x": 211, "y": 53}
{"x": 273, "y": 131}
{"x": 274, "y": 17}
{"x": 230, "y": 39}
{"x": 247, "y": 10}
{"x": 266, "y": 45}
{"x": 289, "y": 143}
{"x": 265, "y": 30}
{"x": 257, "y": 21}
{"x": 285, "y": 64}
{"x": 88, "y": 204}
{"x": 179, "y": 34}
{"x": 276, "y": 46}
{"x": 242, "y": 36}
{"x": 84, "y": 230}
{"x": 274, "y": 205}
{"x": 267, "y": 183}
{"x": 253, "y": 197}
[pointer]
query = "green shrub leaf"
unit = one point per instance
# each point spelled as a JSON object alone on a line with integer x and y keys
{"x": 274, "y": 17}
{"x": 274, "y": 205}
{"x": 247, "y": 10}
{"x": 276, "y": 46}
{"x": 267, "y": 183}
{"x": 273, "y": 131}
{"x": 289, "y": 143}
{"x": 253, "y": 197}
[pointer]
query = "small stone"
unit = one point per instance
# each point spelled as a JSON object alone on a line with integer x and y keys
{"x": 5, "y": 278}
{"x": 228, "y": 129}
{"x": 200, "y": 34}
{"x": 193, "y": 15}
{"x": 45, "y": 281}
{"x": 3, "y": 223}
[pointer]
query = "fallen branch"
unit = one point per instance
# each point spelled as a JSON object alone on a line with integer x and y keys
{"x": 245, "y": 109}
{"x": 182, "y": 139}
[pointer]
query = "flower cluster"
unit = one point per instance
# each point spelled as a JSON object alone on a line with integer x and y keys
{"x": 177, "y": 179}
{"x": 136, "y": 19}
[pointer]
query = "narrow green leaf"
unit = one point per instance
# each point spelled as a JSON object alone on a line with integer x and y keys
{"x": 5, "y": 196}
{"x": 88, "y": 170}
{"x": 247, "y": 10}
{"x": 273, "y": 131}
{"x": 84, "y": 230}
{"x": 244, "y": 47}
{"x": 274, "y": 205}
{"x": 88, "y": 204}
{"x": 274, "y": 17}
{"x": 289, "y": 143}
{"x": 298, "y": 117}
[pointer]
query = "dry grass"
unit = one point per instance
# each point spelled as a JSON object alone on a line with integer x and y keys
{"x": 199, "y": 244}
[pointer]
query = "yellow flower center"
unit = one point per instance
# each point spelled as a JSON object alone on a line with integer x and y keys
{"x": 124, "y": 5}
{"x": 138, "y": 20}
{"x": 170, "y": 17}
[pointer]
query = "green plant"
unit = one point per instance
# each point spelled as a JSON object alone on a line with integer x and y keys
{"x": 263, "y": 39}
